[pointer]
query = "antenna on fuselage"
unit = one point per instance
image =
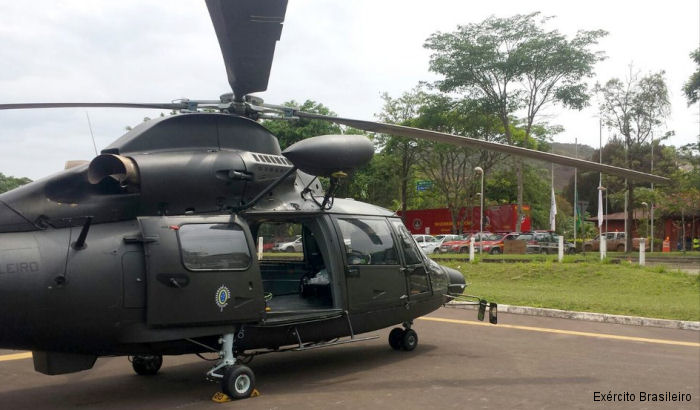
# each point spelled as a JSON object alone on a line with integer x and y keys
{"x": 91, "y": 134}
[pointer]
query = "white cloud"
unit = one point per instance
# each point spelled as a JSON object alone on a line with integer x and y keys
{"x": 343, "y": 54}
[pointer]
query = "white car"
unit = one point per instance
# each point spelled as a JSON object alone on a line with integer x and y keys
{"x": 427, "y": 243}
{"x": 293, "y": 246}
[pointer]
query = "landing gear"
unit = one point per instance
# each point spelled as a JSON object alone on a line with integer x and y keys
{"x": 237, "y": 380}
{"x": 147, "y": 365}
{"x": 403, "y": 339}
{"x": 395, "y": 338}
{"x": 409, "y": 340}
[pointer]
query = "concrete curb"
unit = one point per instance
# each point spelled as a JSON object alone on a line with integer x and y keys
{"x": 592, "y": 317}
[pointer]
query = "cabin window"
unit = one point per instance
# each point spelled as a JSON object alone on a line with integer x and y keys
{"x": 281, "y": 241}
{"x": 214, "y": 247}
{"x": 368, "y": 241}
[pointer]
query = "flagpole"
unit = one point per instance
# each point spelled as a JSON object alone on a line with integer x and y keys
{"x": 553, "y": 207}
{"x": 575, "y": 189}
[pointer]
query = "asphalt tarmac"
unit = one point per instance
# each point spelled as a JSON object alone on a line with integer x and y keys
{"x": 522, "y": 363}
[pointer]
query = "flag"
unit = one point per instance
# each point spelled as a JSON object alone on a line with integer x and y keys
{"x": 553, "y": 212}
{"x": 600, "y": 208}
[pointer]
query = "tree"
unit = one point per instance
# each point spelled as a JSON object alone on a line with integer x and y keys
{"x": 635, "y": 108}
{"x": 692, "y": 87}
{"x": 514, "y": 64}
{"x": 403, "y": 150}
{"x": 375, "y": 183}
{"x": 290, "y": 131}
{"x": 450, "y": 168}
{"x": 9, "y": 182}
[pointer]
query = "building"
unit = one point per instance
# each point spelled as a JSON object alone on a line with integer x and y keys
{"x": 665, "y": 226}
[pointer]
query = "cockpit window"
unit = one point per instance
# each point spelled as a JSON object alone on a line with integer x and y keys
{"x": 410, "y": 249}
{"x": 214, "y": 247}
{"x": 368, "y": 241}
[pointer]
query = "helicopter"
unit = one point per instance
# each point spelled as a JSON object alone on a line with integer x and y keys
{"x": 157, "y": 246}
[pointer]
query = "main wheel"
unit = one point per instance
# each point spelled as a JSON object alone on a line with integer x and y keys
{"x": 588, "y": 248}
{"x": 147, "y": 365}
{"x": 409, "y": 341}
{"x": 238, "y": 382}
{"x": 395, "y": 337}
{"x": 620, "y": 248}
{"x": 495, "y": 251}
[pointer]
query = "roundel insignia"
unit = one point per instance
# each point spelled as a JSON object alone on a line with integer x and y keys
{"x": 222, "y": 297}
{"x": 417, "y": 223}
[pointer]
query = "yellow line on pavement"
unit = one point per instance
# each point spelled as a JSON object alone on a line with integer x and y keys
{"x": 566, "y": 332}
{"x": 15, "y": 356}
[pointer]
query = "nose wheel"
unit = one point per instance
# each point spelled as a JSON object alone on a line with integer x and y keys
{"x": 238, "y": 381}
{"x": 403, "y": 339}
{"x": 147, "y": 365}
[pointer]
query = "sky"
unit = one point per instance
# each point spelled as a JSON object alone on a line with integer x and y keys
{"x": 344, "y": 54}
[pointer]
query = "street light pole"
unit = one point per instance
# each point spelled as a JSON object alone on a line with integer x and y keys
{"x": 481, "y": 211}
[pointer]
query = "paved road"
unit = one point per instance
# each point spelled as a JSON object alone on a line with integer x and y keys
{"x": 525, "y": 362}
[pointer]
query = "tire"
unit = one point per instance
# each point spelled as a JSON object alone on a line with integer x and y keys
{"x": 544, "y": 251}
{"x": 238, "y": 382}
{"x": 147, "y": 365}
{"x": 496, "y": 251}
{"x": 463, "y": 250}
{"x": 289, "y": 249}
{"x": 409, "y": 341}
{"x": 588, "y": 248}
{"x": 395, "y": 338}
{"x": 620, "y": 248}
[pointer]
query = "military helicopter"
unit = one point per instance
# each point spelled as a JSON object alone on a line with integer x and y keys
{"x": 156, "y": 246}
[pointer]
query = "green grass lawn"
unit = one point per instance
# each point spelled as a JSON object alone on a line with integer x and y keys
{"x": 624, "y": 288}
{"x": 578, "y": 257}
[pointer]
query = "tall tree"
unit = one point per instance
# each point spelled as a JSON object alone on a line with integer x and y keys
{"x": 692, "y": 87}
{"x": 635, "y": 107}
{"x": 290, "y": 131}
{"x": 403, "y": 150}
{"x": 450, "y": 168}
{"x": 514, "y": 64}
{"x": 9, "y": 182}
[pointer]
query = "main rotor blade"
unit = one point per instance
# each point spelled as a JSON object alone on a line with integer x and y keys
{"x": 411, "y": 132}
{"x": 247, "y": 31}
{"x": 166, "y": 106}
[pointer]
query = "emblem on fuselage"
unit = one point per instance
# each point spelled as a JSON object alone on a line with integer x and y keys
{"x": 222, "y": 297}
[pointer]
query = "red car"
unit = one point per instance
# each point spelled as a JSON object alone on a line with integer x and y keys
{"x": 462, "y": 245}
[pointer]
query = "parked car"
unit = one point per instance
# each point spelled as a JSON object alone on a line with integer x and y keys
{"x": 544, "y": 242}
{"x": 291, "y": 246}
{"x": 427, "y": 243}
{"x": 462, "y": 245}
{"x": 455, "y": 245}
{"x": 492, "y": 244}
{"x": 531, "y": 245}
{"x": 569, "y": 247}
{"x": 448, "y": 237}
{"x": 614, "y": 241}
